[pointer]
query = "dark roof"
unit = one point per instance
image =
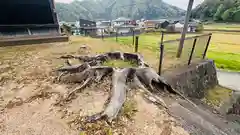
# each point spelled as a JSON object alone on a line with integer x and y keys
{"x": 125, "y": 26}
{"x": 88, "y": 28}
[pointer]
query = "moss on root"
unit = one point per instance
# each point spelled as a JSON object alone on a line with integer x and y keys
{"x": 120, "y": 63}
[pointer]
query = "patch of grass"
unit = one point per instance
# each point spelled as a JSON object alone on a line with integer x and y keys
{"x": 129, "y": 109}
{"x": 100, "y": 127}
{"x": 222, "y": 26}
{"x": 217, "y": 96}
{"x": 147, "y": 41}
{"x": 224, "y": 48}
{"x": 223, "y": 60}
{"x": 120, "y": 63}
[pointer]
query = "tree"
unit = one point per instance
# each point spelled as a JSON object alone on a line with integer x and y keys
{"x": 111, "y": 9}
{"x": 236, "y": 16}
{"x": 217, "y": 15}
{"x": 217, "y": 10}
{"x": 227, "y": 15}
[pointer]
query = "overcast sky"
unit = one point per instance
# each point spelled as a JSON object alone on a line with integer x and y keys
{"x": 179, "y": 3}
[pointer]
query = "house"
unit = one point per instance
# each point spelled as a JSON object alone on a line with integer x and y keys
{"x": 157, "y": 24}
{"x": 163, "y": 23}
{"x": 103, "y": 27}
{"x": 123, "y": 25}
{"x": 148, "y": 24}
{"x": 176, "y": 27}
{"x": 103, "y": 23}
{"x": 87, "y": 23}
{"x": 124, "y": 21}
{"x": 121, "y": 21}
{"x": 141, "y": 24}
{"x": 87, "y": 27}
{"x": 123, "y": 29}
{"x": 195, "y": 26}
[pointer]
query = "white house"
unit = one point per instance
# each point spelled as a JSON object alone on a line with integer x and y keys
{"x": 178, "y": 27}
{"x": 103, "y": 27}
{"x": 121, "y": 21}
{"x": 122, "y": 29}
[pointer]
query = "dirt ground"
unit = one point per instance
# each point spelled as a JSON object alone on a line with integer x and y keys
{"x": 28, "y": 95}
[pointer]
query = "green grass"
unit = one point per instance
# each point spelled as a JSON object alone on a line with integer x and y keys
{"x": 149, "y": 41}
{"x": 129, "y": 109}
{"x": 223, "y": 60}
{"x": 217, "y": 96}
{"x": 222, "y": 26}
{"x": 145, "y": 41}
{"x": 224, "y": 48}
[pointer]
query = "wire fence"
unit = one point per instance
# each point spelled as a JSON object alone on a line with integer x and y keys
{"x": 121, "y": 31}
{"x": 194, "y": 50}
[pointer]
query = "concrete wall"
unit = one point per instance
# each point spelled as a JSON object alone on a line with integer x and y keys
{"x": 195, "y": 80}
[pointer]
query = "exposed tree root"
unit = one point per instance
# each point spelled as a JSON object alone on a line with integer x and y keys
{"x": 123, "y": 80}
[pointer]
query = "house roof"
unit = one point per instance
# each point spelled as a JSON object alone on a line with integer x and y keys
{"x": 103, "y": 23}
{"x": 125, "y": 26}
{"x": 122, "y": 19}
{"x": 179, "y": 25}
{"x": 193, "y": 24}
{"x": 152, "y": 21}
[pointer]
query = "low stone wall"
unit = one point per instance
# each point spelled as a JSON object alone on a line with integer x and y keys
{"x": 235, "y": 108}
{"x": 194, "y": 80}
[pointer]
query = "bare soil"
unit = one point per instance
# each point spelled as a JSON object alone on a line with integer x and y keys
{"x": 28, "y": 95}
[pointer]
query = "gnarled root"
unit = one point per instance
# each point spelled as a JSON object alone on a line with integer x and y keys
{"x": 99, "y": 59}
{"x": 122, "y": 79}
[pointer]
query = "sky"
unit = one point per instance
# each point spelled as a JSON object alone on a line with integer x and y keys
{"x": 179, "y": 3}
{"x": 182, "y": 3}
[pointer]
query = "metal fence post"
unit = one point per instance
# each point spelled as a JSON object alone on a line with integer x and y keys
{"x": 205, "y": 51}
{"x": 161, "y": 59}
{"x": 102, "y": 33}
{"x": 162, "y": 32}
{"x": 193, "y": 48}
{"x": 161, "y": 54}
{"x": 133, "y": 34}
{"x": 116, "y": 34}
{"x": 136, "y": 43}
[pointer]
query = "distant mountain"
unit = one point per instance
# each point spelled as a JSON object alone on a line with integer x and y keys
{"x": 112, "y": 9}
{"x": 218, "y": 10}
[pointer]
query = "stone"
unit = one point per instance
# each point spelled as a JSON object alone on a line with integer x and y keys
{"x": 193, "y": 81}
{"x": 84, "y": 49}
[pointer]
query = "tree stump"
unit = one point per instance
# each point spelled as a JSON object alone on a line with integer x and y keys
{"x": 123, "y": 79}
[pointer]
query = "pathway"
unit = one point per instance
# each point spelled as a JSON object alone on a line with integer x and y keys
{"x": 229, "y": 80}
{"x": 200, "y": 121}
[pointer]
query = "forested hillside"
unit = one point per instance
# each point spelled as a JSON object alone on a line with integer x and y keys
{"x": 111, "y": 9}
{"x": 218, "y": 10}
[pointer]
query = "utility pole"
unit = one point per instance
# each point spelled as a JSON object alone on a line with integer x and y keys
{"x": 185, "y": 28}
